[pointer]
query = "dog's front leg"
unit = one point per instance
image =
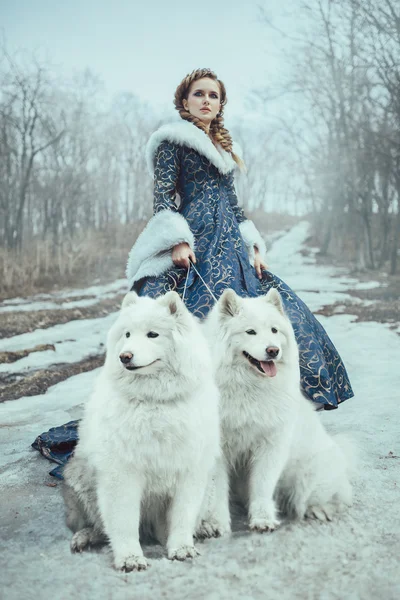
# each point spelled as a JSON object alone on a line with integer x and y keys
{"x": 183, "y": 515}
{"x": 268, "y": 463}
{"x": 119, "y": 497}
{"x": 215, "y": 519}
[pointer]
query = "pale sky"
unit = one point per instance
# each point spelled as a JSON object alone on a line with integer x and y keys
{"x": 148, "y": 47}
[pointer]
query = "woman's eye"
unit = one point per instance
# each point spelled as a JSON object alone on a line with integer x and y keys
{"x": 251, "y": 332}
{"x": 274, "y": 330}
{"x": 127, "y": 334}
{"x": 152, "y": 334}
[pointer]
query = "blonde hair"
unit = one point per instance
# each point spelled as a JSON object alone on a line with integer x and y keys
{"x": 218, "y": 132}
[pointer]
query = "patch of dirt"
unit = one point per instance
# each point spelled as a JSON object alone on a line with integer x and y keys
{"x": 39, "y": 381}
{"x": 68, "y": 299}
{"x": 14, "y": 323}
{"x": 390, "y": 454}
{"x": 364, "y": 275}
{"x": 385, "y": 299}
{"x": 385, "y": 293}
{"x": 61, "y": 300}
{"x": 381, "y": 312}
{"x": 10, "y": 357}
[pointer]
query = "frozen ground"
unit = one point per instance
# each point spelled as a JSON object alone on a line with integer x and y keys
{"x": 354, "y": 557}
{"x": 64, "y": 299}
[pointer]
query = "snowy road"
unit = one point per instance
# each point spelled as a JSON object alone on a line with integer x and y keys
{"x": 354, "y": 557}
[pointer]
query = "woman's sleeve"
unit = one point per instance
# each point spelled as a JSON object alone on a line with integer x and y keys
{"x": 233, "y": 199}
{"x": 151, "y": 254}
{"x": 166, "y": 173}
{"x": 249, "y": 232}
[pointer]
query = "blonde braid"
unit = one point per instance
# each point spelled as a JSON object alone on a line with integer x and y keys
{"x": 218, "y": 133}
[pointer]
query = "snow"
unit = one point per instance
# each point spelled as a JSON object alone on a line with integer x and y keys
{"x": 73, "y": 341}
{"x": 92, "y": 295}
{"x": 354, "y": 557}
{"x": 316, "y": 290}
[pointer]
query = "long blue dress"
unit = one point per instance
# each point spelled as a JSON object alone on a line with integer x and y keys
{"x": 209, "y": 204}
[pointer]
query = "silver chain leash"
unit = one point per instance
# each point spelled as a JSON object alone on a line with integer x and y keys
{"x": 186, "y": 280}
{"x": 191, "y": 265}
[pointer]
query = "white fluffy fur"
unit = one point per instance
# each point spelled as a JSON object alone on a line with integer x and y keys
{"x": 151, "y": 254}
{"x": 149, "y": 438}
{"x": 272, "y": 437}
{"x": 185, "y": 133}
{"x": 252, "y": 238}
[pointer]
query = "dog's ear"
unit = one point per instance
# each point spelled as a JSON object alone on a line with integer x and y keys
{"x": 230, "y": 303}
{"x": 173, "y": 302}
{"x": 274, "y": 297}
{"x": 130, "y": 298}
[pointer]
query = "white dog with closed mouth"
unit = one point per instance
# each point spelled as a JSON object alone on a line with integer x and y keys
{"x": 275, "y": 446}
{"x": 149, "y": 438}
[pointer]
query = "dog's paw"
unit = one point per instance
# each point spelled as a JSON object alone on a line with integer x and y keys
{"x": 210, "y": 528}
{"x": 321, "y": 513}
{"x": 81, "y": 540}
{"x": 263, "y": 516}
{"x": 262, "y": 524}
{"x": 182, "y": 553}
{"x": 131, "y": 563}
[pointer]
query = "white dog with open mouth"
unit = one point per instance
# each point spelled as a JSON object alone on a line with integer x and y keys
{"x": 149, "y": 437}
{"x": 276, "y": 449}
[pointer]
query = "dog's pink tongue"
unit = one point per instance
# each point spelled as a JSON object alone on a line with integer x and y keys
{"x": 269, "y": 368}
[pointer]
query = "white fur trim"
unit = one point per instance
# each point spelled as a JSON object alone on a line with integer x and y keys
{"x": 252, "y": 237}
{"x": 151, "y": 254}
{"x": 185, "y": 133}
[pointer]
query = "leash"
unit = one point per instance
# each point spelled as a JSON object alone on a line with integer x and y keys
{"x": 186, "y": 280}
{"x": 191, "y": 265}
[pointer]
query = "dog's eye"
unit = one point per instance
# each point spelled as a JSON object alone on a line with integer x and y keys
{"x": 152, "y": 334}
{"x": 251, "y": 332}
{"x": 127, "y": 334}
{"x": 274, "y": 330}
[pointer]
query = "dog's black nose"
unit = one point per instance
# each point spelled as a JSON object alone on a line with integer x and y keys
{"x": 125, "y": 357}
{"x": 272, "y": 351}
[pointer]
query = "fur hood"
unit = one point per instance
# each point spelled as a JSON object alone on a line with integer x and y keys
{"x": 185, "y": 133}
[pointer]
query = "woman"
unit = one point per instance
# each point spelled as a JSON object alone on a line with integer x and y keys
{"x": 197, "y": 220}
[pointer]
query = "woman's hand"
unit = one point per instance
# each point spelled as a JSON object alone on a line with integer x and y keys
{"x": 259, "y": 264}
{"x": 181, "y": 253}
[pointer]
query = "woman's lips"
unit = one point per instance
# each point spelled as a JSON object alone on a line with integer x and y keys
{"x": 205, "y": 110}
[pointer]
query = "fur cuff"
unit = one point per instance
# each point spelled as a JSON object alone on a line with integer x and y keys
{"x": 252, "y": 237}
{"x": 151, "y": 254}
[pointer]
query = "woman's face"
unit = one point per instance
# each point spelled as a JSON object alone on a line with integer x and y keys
{"x": 204, "y": 99}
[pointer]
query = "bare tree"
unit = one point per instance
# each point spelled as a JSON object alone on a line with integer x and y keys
{"x": 25, "y": 134}
{"x": 346, "y": 78}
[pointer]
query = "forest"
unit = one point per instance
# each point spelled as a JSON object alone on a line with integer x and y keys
{"x": 74, "y": 188}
